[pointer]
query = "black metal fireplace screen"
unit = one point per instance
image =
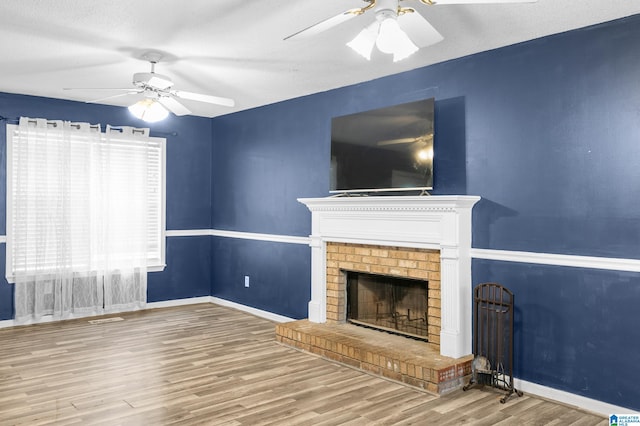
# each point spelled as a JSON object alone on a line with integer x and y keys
{"x": 397, "y": 305}
{"x": 493, "y": 339}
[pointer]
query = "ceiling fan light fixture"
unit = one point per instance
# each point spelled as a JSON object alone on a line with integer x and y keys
{"x": 149, "y": 110}
{"x": 365, "y": 40}
{"x": 391, "y": 38}
{"x": 404, "y": 50}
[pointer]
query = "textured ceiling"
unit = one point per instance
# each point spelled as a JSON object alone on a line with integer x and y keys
{"x": 236, "y": 49}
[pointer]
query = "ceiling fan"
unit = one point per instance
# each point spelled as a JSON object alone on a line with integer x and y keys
{"x": 159, "y": 95}
{"x": 397, "y": 30}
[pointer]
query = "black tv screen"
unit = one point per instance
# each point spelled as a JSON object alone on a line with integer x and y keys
{"x": 385, "y": 149}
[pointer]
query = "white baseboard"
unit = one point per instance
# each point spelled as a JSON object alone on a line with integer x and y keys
{"x": 222, "y": 302}
{"x": 7, "y": 323}
{"x": 178, "y": 302}
{"x": 257, "y": 312}
{"x": 579, "y": 401}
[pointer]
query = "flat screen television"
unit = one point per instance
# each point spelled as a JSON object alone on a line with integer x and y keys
{"x": 385, "y": 149}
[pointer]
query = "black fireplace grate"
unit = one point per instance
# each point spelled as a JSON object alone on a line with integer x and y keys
{"x": 397, "y": 305}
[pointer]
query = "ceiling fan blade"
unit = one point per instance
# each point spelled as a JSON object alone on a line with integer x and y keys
{"x": 95, "y": 101}
{"x": 204, "y": 98}
{"x": 441, "y": 2}
{"x": 326, "y": 24}
{"x": 113, "y": 89}
{"x": 419, "y": 30}
{"x": 174, "y": 106}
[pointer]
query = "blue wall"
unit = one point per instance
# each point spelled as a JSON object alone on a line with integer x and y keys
{"x": 546, "y": 132}
{"x": 188, "y": 272}
{"x": 279, "y": 275}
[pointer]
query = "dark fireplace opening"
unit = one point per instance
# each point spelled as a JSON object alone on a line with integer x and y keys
{"x": 397, "y": 305}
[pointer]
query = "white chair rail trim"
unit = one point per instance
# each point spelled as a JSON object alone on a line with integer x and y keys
{"x": 575, "y": 261}
{"x": 239, "y": 235}
{"x": 588, "y": 262}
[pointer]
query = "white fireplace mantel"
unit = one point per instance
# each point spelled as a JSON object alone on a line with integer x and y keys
{"x": 441, "y": 222}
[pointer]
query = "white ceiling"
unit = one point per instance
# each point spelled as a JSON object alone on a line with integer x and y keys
{"x": 235, "y": 49}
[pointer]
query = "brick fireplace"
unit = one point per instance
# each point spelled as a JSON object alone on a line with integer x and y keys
{"x": 404, "y": 262}
{"x": 422, "y": 237}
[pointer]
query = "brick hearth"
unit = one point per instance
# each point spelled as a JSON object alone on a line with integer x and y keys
{"x": 395, "y": 357}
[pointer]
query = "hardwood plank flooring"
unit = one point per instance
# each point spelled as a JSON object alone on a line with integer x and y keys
{"x": 212, "y": 365}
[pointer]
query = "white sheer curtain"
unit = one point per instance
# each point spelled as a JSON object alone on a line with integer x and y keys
{"x": 121, "y": 228}
{"x": 78, "y": 220}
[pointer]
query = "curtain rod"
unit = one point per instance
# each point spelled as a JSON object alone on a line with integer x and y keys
{"x": 121, "y": 129}
{"x": 152, "y": 132}
{"x": 162, "y": 134}
{"x": 9, "y": 120}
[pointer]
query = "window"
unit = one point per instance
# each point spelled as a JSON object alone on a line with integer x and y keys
{"x": 99, "y": 192}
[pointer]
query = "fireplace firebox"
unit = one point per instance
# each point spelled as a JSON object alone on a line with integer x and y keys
{"x": 396, "y": 305}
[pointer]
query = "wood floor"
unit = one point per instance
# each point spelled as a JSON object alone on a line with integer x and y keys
{"x": 212, "y": 365}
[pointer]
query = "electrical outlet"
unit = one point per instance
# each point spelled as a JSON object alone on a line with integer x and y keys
{"x": 246, "y": 280}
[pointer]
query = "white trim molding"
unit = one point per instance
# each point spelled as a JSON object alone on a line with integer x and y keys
{"x": 582, "y": 402}
{"x": 188, "y": 232}
{"x": 260, "y": 237}
{"x": 178, "y": 302}
{"x": 222, "y": 302}
{"x": 248, "y": 309}
{"x": 590, "y": 262}
{"x": 553, "y": 259}
{"x": 239, "y": 235}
